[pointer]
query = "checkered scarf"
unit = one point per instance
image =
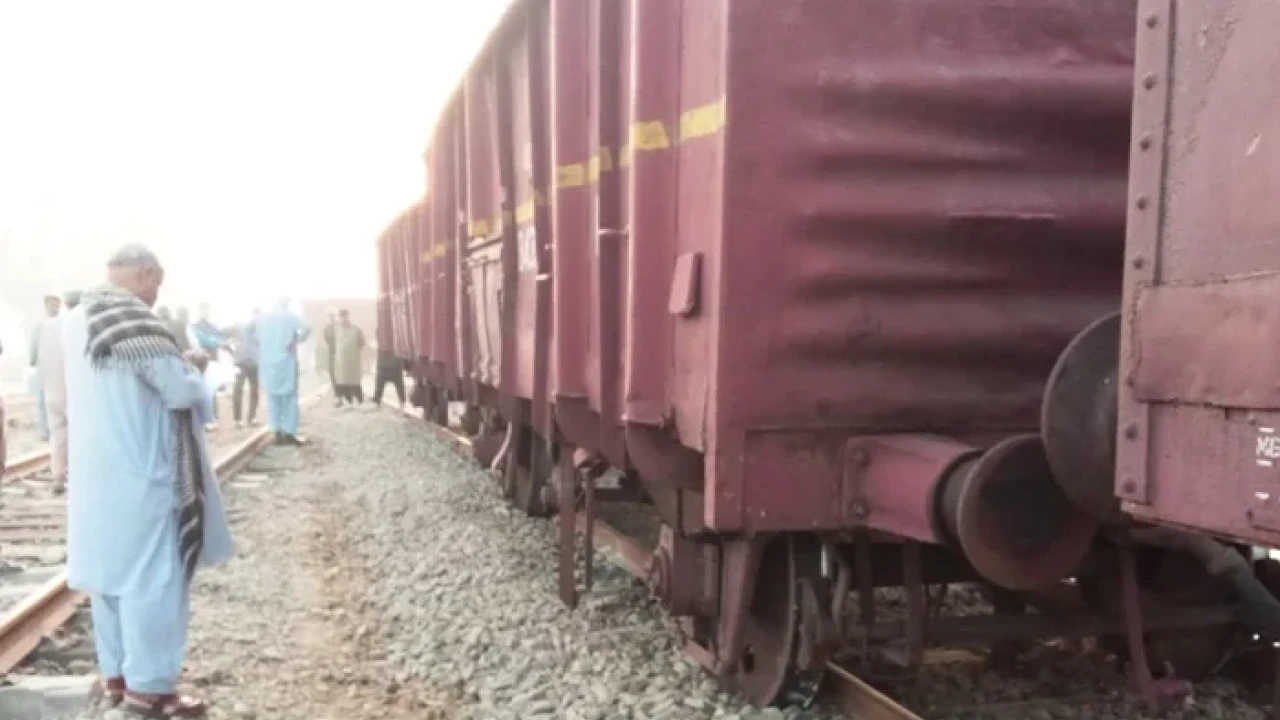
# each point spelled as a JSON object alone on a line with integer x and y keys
{"x": 125, "y": 334}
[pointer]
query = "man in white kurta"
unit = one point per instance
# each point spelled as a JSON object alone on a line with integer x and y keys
{"x": 123, "y": 505}
{"x": 53, "y": 374}
{"x": 45, "y": 330}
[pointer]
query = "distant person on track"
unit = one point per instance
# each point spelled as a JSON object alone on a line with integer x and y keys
{"x": 53, "y": 373}
{"x": 52, "y": 306}
{"x": 324, "y": 356}
{"x": 390, "y": 370}
{"x": 177, "y": 327}
{"x": 209, "y": 340}
{"x": 280, "y": 330}
{"x": 348, "y": 360}
{"x": 143, "y": 506}
{"x": 246, "y": 359}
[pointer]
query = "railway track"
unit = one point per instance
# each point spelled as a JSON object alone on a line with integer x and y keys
{"x": 19, "y": 403}
{"x": 40, "y": 522}
{"x": 34, "y": 597}
{"x": 842, "y": 690}
{"x": 25, "y": 465}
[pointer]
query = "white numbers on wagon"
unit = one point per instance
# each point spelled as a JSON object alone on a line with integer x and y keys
{"x": 527, "y": 249}
{"x": 1267, "y": 450}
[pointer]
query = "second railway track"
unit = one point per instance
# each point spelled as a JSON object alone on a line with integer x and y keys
{"x": 34, "y": 597}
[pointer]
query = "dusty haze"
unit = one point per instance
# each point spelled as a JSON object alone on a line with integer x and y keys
{"x": 258, "y": 147}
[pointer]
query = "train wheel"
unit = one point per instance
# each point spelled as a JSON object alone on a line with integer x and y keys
{"x": 767, "y": 671}
{"x": 529, "y": 466}
{"x": 437, "y": 410}
{"x": 1257, "y": 662}
{"x": 471, "y": 420}
{"x": 488, "y": 441}
{"x": 1168, "y": 579}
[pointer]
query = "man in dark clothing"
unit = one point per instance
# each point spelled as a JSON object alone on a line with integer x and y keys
{"x": 246, "y": 358}
{"x": 390, "y": 370}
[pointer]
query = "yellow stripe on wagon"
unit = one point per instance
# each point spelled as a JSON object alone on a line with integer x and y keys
{"x": 642, "y": 137}
{"x": 645, "y": 137}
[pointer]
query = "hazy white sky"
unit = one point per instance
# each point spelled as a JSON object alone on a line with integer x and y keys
{"x": 250, "y": 143}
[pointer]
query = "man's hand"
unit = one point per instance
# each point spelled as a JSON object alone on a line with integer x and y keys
{"x": 197, "y": 358}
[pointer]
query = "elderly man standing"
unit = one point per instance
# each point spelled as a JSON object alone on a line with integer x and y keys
{"x": 348, "y": 360}
{"x": 324, "y": 356}
{"x": 143, "y": 508}
{"x": 53, "y": 374}
{"x": 279, "y": 331}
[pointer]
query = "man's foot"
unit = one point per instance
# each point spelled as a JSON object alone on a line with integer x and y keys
{"x": 59, "y": 486}
{"x": 239, "y": 424}
{"x": 110, "y": 691}
{"x": 169, "y": 705}
{"x": 211, "y": 427}
{"x": 294, "y": 440}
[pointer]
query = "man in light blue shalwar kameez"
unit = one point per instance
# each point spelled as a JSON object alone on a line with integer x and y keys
{"x": 144, "y": 508}
{"x": 280, "y": 330}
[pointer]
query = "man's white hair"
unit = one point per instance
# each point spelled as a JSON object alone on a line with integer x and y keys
{"x": 134, "y": 255}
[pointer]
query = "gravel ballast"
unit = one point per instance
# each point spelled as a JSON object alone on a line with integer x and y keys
{"x": 380, "y": 575}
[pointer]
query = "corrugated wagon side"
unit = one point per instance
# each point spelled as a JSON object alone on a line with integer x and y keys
{"x": 833, "y": 285}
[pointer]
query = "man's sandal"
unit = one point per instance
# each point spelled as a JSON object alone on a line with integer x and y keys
{"x": 110, "y": 691}
{"x": 162, "y": 707}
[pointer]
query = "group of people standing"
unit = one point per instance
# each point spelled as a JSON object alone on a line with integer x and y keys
{"x": 340, "y": 355}
{"x": 240, "y": 341}
{"x": 129, "y": 403}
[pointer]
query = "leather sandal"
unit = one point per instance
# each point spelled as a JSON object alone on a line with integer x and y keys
{"x": 161, "y": 707}
{"x": 110, "y": 691}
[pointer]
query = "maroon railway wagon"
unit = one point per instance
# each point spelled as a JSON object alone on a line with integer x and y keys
{"x": 400, "y": 283}
{"x": 835, "y": 285}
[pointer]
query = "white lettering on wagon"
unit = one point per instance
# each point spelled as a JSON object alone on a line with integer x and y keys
{"x": 1267, "y": 449}
{"x": 527, "y": 249}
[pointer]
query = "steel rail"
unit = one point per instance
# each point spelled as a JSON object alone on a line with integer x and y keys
{"x": 24, "y": 465}
{"x": 22, "y": 402}
{"x": 22, "y": 628}
{"x": 850, "y": 695}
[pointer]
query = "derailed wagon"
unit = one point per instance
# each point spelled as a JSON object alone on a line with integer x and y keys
{"x": 834, "y": 285}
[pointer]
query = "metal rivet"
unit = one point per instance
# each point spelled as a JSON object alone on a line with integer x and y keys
{"x": 1141, "y": 202}
{"x": 860, "y": 510}
{"x": 1144, "y": 142}
{"x": 1153, "y": 20}
{"x": 1149, "y": 80}
{"x": 1139, "y": 262}
{"x": 1129, "y": 486}
{"x": 1131, "y": 431}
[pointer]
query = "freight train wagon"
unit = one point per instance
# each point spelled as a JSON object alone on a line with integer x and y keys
{"x": 834, "y": 284}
